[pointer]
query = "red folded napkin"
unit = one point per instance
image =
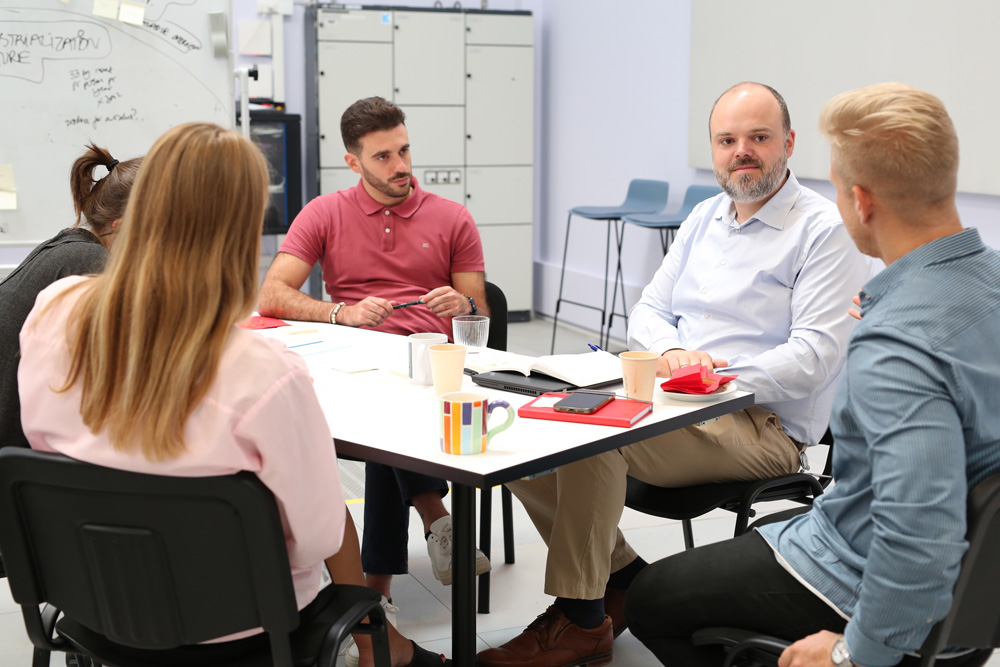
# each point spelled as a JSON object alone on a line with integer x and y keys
{"x": 261, "y": 322}
{"x": 695, "y": 379}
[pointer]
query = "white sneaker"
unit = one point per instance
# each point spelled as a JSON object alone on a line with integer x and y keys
{"x": 439, "y": 549}
{"x": 352, "y": 657}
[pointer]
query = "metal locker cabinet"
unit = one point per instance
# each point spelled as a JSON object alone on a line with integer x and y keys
{"x": 495, "y": 28}
{"x": 499, "y": 195}
{"x": 343, "y": 81}
{"x": 429, "y": 58}
{"x": 437, "y": 135}
{"x": 506, "y": 249}
{"x": 499, "y": 117}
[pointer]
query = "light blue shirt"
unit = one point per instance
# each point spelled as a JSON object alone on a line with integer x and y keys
{"x": 770, "y": 296}
{"x": 916, "y": 425}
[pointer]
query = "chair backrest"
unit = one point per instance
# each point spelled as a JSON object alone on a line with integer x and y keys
{"x": 643, "y": 193}
{"x": 696, "y": 194}
{"x": 149, "y": 561}
{"x": 497, "y": 302}
{"x": 974, "y": 618}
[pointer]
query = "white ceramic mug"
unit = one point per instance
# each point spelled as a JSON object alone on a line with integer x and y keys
{"x": 420, "y": 360}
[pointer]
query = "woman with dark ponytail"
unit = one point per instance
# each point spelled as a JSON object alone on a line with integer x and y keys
{"x": 99, "y": 203}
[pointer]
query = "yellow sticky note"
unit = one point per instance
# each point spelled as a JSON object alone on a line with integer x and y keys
{"x": 106, "y": 8}
{"x": 132, "y": 12}
{"x": 8, "y": 201}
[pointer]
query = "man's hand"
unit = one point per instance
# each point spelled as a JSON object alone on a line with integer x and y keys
{"x": 811, "y": 651}
{"x": 369, "y": 312}
{"x": 855, "y": 312}
{"x": 446, "y": 302}
{"x": 671, "y": 360}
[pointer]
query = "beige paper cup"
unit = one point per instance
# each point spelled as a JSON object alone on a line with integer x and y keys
{"x": 639, "y": 374}
{"x": 447, "y": 366}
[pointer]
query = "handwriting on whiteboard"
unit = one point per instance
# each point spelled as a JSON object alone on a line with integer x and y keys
{"x": 26, "y": 45}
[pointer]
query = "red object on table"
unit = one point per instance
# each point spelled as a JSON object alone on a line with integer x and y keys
{"x": 695, "y": 379}
{"x": 261, "y": 322}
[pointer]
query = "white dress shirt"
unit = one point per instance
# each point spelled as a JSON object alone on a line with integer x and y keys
{"x": 770, "y": 296}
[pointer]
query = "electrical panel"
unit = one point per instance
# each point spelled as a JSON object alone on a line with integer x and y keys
{"x": 465, "y": 79}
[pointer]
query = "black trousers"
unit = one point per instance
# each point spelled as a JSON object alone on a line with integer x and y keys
{"x": 387, "y": 516}
{"x": 736, "y": 583}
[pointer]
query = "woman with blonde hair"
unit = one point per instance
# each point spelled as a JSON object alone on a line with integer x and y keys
{"x": 99, "y": 203}
{"x": 143, "y": 368}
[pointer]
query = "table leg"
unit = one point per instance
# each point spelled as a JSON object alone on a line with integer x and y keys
{"x": 463, "y": 567}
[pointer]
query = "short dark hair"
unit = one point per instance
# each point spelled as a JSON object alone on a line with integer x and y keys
{"x": 372, "y": 114}
{"x": 786, "y": 120}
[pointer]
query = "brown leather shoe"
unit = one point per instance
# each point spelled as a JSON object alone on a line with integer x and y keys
{"x": 614, "y": 606}
{"x": 553, "y": 641}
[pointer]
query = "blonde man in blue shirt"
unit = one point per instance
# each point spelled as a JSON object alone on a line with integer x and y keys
{"x": 863, "y": 576}
{"x": 754, "y": 282}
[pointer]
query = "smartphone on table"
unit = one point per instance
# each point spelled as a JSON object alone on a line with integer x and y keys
{"x": 583, "y": 403}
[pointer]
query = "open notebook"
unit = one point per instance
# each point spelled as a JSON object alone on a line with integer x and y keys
{"x": 578, "y": 370}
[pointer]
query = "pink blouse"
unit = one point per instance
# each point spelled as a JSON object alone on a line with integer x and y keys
{"x": 261, "y": 414}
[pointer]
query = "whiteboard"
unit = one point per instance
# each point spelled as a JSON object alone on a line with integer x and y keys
{"x": 68, "y": 77}
{"x": 811, "y": 51}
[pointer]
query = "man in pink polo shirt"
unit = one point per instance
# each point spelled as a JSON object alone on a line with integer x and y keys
{"x": 382, "y": 242}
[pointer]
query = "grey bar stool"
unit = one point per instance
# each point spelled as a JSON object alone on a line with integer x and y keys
{"x": 666, "y": 224}
{"x": 644, "y": 196}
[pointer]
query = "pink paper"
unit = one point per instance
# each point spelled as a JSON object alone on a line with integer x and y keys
{"x": 261, "y": 322}
{"x": 696, "y": 379}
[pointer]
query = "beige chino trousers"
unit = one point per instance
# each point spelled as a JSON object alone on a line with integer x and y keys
{"x": 576, "y": 509}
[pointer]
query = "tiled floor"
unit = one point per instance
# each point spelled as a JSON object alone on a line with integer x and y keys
{"x": 516, "y": 589}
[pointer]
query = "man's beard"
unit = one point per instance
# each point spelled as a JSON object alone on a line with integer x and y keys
{"x": 386, "y": 187}
{"x": 747, "y": 189}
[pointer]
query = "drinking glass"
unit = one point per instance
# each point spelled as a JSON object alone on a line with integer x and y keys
{"x": 472, "y": 331}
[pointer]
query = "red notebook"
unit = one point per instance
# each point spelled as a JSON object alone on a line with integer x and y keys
{"x": 619, "y": 412}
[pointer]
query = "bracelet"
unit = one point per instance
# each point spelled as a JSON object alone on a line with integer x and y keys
{"x": 472, "y": 302}
{"x": 333, "y": 312}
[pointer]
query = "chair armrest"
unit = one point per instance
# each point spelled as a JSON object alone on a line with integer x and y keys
{"x": 741, "y": 643}
{"x": 41, "y": 626}
{"x": 794, "y": 482}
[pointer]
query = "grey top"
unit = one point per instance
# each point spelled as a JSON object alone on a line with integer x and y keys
{"x": 70, "y": 252}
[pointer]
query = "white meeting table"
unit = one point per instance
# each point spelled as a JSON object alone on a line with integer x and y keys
{"x": 380, "y": 416}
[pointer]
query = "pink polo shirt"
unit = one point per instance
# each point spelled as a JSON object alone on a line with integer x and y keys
{"x": 397, "y": 252}
{"x": 261, "y": 414}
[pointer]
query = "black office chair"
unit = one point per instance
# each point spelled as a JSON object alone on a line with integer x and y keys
{"x": 144, "y": 567}
{"x": 497, "y": 303}
{"x": 689, "y": 502}
{"x": 973, "y": 620}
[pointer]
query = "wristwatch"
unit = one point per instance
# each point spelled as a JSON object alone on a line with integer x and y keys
{"x": 839, "y": 654}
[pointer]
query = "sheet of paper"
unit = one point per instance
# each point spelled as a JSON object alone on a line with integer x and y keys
{"x": 351, "y": 360}
{"x": 106, "y": 8}
{"x": 132, "y": 11}
{"x": 8, "y": 192}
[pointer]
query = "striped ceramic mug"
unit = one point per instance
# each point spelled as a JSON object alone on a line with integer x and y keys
{"x": 462, "y": 420}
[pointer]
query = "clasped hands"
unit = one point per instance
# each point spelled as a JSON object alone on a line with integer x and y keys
{"x": 372, "y": 310}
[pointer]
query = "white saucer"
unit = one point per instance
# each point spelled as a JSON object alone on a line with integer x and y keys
{"x": 697, "y": 398}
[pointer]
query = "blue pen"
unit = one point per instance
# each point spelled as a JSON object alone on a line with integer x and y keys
{"x": 595, "y": 348}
